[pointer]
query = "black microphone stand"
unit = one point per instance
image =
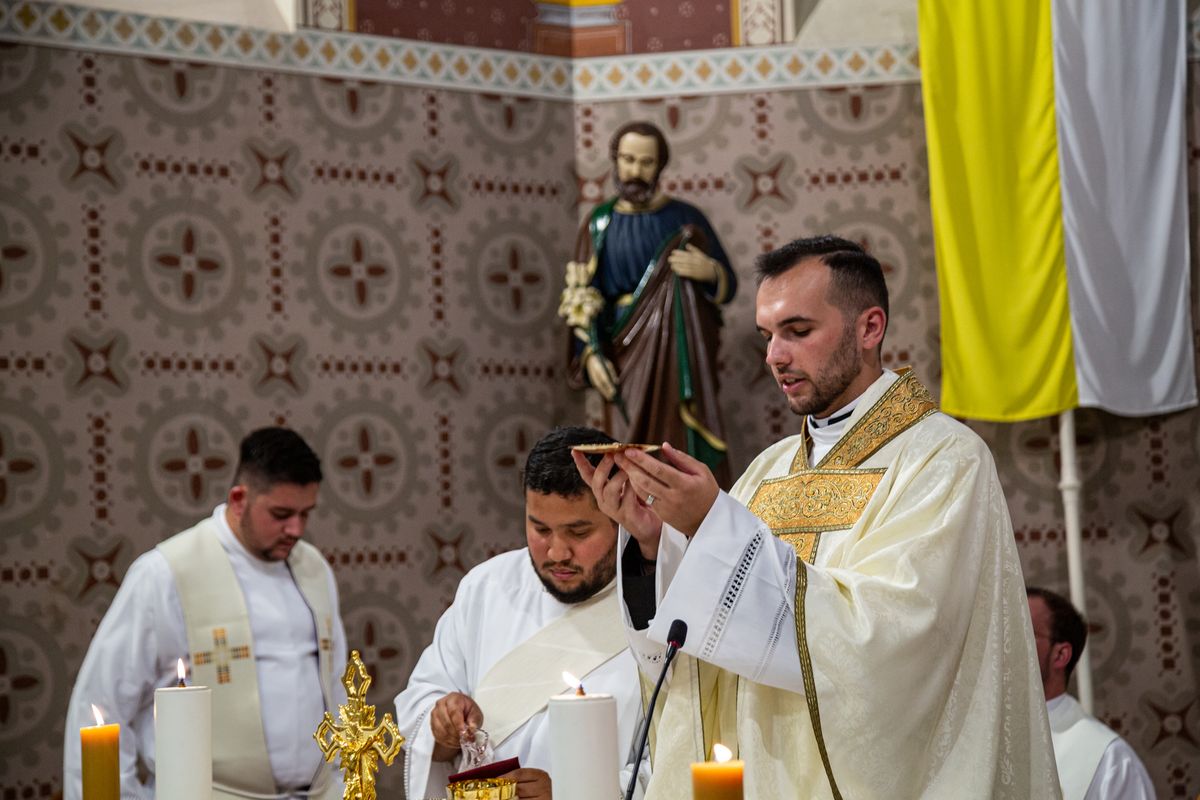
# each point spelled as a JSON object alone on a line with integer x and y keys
{"x": 675, "y": 640}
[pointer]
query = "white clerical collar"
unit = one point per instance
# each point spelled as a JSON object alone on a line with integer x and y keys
{"x": 826, "y": 432}
{"x": 837, "y": 418}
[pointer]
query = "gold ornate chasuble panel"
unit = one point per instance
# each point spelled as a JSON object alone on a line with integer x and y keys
{"x": 799, "y": 507}
{"x": 803, "y": 504}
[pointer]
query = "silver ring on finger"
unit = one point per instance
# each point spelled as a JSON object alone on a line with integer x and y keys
{"x": 650, "y": 500}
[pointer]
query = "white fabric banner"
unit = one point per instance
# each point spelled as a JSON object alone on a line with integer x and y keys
{"x": 1120, "y": 79}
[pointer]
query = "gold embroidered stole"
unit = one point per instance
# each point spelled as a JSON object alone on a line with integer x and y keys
{"x": 806, "y": 502}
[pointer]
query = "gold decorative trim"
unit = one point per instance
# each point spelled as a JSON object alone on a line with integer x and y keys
{"x": 800, "y": 506}
{"x": 905, "y": 403}
{"x": 806, "y": 670}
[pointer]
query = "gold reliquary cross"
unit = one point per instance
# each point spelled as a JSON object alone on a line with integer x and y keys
{"x": 362, "y": 742}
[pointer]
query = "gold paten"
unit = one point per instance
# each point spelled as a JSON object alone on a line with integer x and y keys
{"x": 485, "y": 789}
{"x": 362, "y": 742}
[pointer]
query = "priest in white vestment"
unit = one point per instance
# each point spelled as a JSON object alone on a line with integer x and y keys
{"x": 1094, "y": 762}
{"x": 855, "y": 606}
{"x": 518, "y": 621}
{"x": 254, "y": 611}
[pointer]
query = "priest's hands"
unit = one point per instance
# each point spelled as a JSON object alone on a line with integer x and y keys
{"x": 451, "y": 716}
{"x": 531, "y": 783}
{"x": 621, "y": 503}
{"x": 684, "y": 488}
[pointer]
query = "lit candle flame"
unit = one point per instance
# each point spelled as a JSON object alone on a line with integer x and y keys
{"x": 96, "y": 713}
{"x": 573, "y": 682}
{"x": 721, "y": 752}
{"x": 181, "y": 671}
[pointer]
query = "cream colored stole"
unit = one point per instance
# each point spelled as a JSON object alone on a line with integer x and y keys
{"x": 222, "y": 654}
{"x": 1079, "y": 744}
{"x": 519, "y": 685}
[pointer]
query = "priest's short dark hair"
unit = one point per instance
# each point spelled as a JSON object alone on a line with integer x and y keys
{"x": 857, "y": 281}
{"x": 549, "y": 469}
{"x": 270, "y": 456}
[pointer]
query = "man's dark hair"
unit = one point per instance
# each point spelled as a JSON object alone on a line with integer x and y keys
{"x": 1066, "y": 623}
{"x": 549, "y": 468}
{"x": 271, "y": 456}
{"x": 857, "y": 277}
{"x": 642, "y": 128}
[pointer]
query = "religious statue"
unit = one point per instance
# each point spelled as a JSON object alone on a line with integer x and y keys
{"x": 641, "y": 299}
{"x": 361, "y": 741}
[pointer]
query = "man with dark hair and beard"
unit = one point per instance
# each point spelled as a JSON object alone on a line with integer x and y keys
{"x": 642, "y": 299}
{"x": 253, "y": 610}
{"x": 518, "y": 621}
{"x": 855, "y": 602}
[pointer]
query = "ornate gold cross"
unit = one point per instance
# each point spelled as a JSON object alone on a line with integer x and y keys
{"x": 359, "y": 739}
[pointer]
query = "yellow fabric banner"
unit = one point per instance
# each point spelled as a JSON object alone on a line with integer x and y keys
{"x": 988, "y": 85}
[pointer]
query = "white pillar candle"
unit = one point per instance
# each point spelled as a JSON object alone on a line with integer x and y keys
{"x": 583, "y": 747}
{"x": 183, "y": 743}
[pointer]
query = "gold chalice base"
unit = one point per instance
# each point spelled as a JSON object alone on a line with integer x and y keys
{"x": 486, "y": 789}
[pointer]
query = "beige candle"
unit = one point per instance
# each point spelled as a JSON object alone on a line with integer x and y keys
{"x": 183, "y": 741}
{"x": 583, "y": 744}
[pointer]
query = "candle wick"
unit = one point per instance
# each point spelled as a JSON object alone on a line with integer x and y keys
{"x": 579, "y": 692}
{"x": 181, "y": 684}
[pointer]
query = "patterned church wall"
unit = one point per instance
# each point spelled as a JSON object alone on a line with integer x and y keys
{"x": 124, "y": 391}
{"x": 192, "y": 251}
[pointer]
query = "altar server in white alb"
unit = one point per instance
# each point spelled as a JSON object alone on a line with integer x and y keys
{"x": 856, "y": 611}
{"x": 254, "y": 610}
{"x": 518, "y": 621}
{"x": 1094, "y": 763}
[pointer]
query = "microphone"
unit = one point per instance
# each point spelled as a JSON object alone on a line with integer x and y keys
{"x": 675, "y": 639}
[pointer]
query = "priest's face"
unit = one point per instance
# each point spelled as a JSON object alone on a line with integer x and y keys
{"x": 572, "y": 544}
{"x": 814, "y": 351}
{"x": 636, "y": 169}
{"x": 268, "y": 523}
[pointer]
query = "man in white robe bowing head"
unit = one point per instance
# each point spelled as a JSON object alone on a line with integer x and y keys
{"x": 855, "y": 607}
{"x": 518, "y": 621}
{"x": 253, "y": 610}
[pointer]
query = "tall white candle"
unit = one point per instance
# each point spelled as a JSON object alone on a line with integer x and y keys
{"x": 583, "y": 747}
{"x": 183, "y": 742}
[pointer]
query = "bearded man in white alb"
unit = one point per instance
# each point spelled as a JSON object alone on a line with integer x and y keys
{"x": 855, "y": 606}
{"x": 518, "y": 621}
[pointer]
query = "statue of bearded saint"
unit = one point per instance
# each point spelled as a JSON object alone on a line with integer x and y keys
{"x": 642, "y": 300}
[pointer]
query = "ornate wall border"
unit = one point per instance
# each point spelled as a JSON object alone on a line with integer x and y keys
{"x": 340, "y": 54}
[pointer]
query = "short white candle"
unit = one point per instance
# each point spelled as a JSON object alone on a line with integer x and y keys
{"x": 583, "y": 746}
{"x": 183, "y": 742}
